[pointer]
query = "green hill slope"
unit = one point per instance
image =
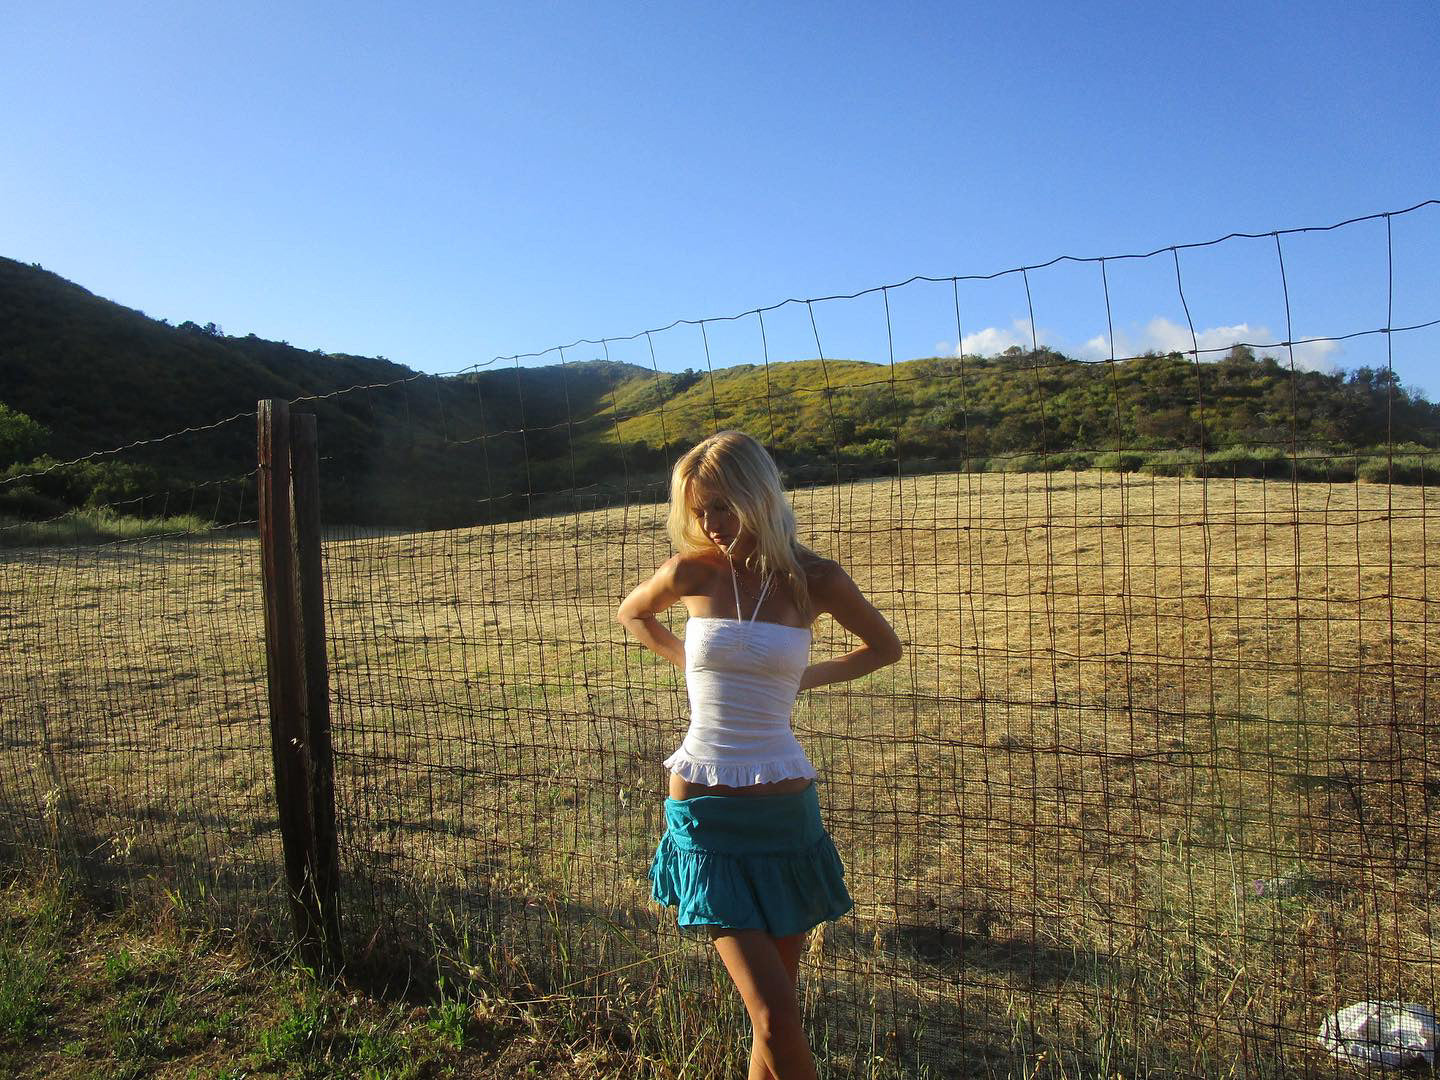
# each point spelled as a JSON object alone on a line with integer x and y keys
{"x": 414, "y": 449}
{"x": 1027, "y": 410}
{"x": 425, "y": 451}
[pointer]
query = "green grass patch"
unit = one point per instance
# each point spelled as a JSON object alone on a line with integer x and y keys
{"x": 96, "y": 527}
{"x": 88, "y": 991}
{"x": 96, "y": 987}
{"x": 31, "y": 931}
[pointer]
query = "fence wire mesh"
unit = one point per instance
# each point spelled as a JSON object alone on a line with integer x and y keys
{"x": 132, "y": 699}
{"x": 1150, "y": 793}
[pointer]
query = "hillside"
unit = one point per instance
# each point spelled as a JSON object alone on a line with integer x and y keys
{"x": 420, "y": 450}
{"x": 94, "y": 374}
{"x": 1042, "y": 402}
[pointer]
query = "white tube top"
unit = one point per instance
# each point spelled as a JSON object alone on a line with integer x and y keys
{"x": 742, "y": 677}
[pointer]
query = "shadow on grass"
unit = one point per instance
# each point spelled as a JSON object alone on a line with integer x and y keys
{"x": 906, "y": 998}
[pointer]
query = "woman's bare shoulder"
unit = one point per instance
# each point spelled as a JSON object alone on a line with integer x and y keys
{"x": 821, "y": 573}
{"x": 691, "y": 572}
{"x": 834, "y": 591}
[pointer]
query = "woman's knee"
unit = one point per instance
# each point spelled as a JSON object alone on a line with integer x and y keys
{"x": 754, "y": 962}
{"x": 776, "y": 1021}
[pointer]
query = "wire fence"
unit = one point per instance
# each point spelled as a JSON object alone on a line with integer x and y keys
{"x": 1151, "y": 792}
{"x": 132, "y": 699}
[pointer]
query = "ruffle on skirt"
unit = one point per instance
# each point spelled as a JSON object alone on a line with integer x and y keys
{"x": 749, "y": 862}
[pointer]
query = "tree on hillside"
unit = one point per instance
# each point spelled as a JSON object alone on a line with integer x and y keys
{"x": 21, "y": 438}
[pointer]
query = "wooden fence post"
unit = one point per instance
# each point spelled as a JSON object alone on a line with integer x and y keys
{"x": 299, "y": 690}
{"x": 320, "y": 771}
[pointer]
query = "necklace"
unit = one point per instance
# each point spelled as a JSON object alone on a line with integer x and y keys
{"x": 752, "y": 593}
{"x": 745, "y": 568}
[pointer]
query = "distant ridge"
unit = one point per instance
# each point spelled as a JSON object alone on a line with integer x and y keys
{"x": 442, "y": 451}
{"x": 97, "y": 374}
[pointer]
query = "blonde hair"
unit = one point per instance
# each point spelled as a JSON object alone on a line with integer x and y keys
{"x": 736, "y": 467}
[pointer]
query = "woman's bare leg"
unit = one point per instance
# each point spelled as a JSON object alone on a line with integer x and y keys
{"x": 763, "y": 969}
{"x": 791, "y": 949}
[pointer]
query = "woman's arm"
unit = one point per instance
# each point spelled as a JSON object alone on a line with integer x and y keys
{"x": 638, "y": 611}
{"x": 836, "y": 593}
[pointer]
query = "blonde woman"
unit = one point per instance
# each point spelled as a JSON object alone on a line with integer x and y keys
{"x": 745, "y": 857}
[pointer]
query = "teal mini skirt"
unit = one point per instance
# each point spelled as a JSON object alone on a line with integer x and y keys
{"x": 749, "y": 862}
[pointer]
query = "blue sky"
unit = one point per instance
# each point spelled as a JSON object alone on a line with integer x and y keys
{"x": 447, "y": 183}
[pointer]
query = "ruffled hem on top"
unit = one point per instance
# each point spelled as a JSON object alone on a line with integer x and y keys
{"x": 740, "y": 774}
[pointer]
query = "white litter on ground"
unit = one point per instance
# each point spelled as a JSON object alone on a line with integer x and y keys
{"x": 1381, "y": 1032}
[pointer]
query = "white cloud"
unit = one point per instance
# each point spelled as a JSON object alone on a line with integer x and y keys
{"x": 1159, "y": 335}
{"x": 989, "y": 341}
{"x": 1163, "y": 335}
{"x": 1315, "y": 355}
{"x": 1222, "y": 337}
{"x": 993, "y": 339}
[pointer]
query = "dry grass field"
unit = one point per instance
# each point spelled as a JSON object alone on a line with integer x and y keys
{"x": 1150, "y": 792}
